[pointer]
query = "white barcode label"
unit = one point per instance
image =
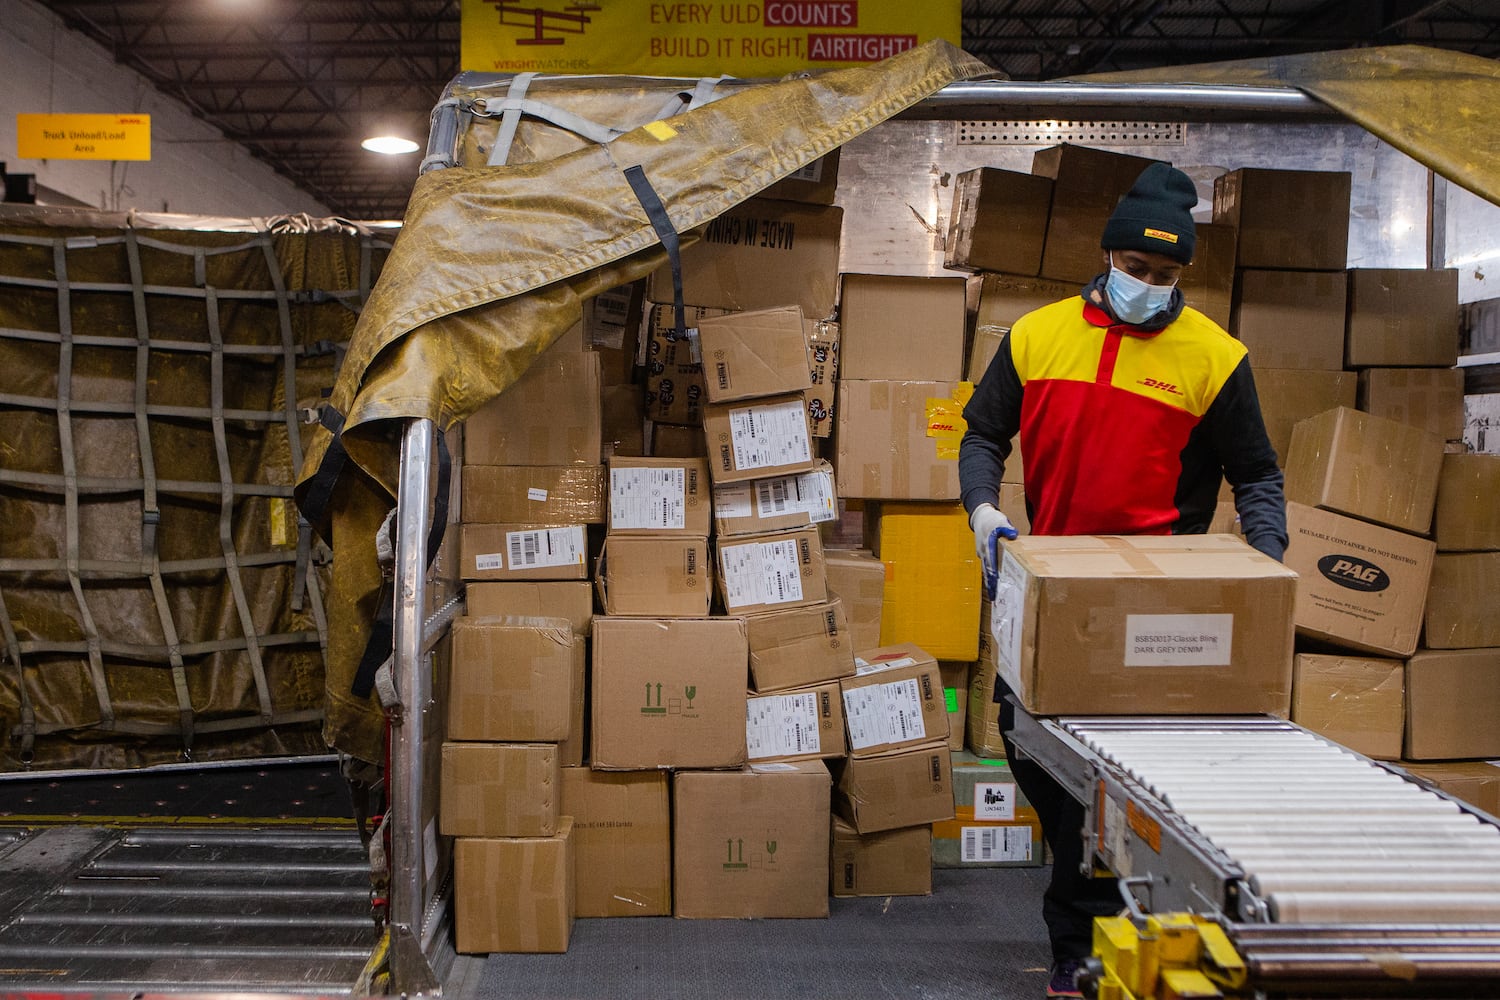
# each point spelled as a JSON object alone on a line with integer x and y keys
{"x": 540, "y": 496}
{"x": 544, "y": 547}
{"x": 489, "y": 560}
{"x": 695, "y": 344}
{"x": 782, "y": 725}
{"x": 761, "y": 573}
{"x": 884, "y": 713}
{"x": 764, "y": 437}
{"x": 995, "y": 801}
{"x": 733, "y": 500}
{"x": 648, "y": 498}
{"x": 995, "y": 843}
{"x": 809, "y": 493}
{"x": 862, "y": 666}
{"x": 812, "y": 172}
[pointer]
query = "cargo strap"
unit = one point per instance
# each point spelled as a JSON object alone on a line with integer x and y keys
{"x": 667, "y": 233}
{"x": 516, "y": 104}
{"x": 688, "y": 100}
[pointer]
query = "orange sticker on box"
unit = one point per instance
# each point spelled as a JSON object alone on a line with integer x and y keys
{"x": 1144, "y": 826}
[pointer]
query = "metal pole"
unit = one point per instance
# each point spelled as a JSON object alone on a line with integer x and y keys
{"x": 1190, "y": 101}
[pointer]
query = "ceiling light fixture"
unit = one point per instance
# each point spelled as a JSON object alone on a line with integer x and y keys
{"x": 391, "y": 145}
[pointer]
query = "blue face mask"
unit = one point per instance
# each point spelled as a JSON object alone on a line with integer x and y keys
{"x": 1133, "y": 300}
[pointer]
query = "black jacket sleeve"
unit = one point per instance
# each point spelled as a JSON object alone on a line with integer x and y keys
{"x": 1238, "y": 433}
{"x": 993, "y": 415}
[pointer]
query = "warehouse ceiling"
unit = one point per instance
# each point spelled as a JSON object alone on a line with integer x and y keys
{"x": 301, "y": 82}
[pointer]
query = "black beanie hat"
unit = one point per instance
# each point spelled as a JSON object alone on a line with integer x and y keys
{"x": 1156, "y": 214}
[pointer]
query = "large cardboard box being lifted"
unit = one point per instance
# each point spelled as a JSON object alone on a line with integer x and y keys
{"x": 1468, "y": 518}
{"x": 858, "y": 579}
{"x": 494, "y": 911}
{"x": 1291, "y": 395}
{"x": 1360, "y": 586}
{"x": 1356, "y": 701}
{"x": 668, "y": 692}
{"x": 511, "y": 679}
{"x": 1367, "y": 467}
{"x": 1429, "y": 398}
{"x": 761, "y": 254}
{"x": 622, "y": 841}
{"x": 1176, "y": 625}
{"x": 1402, "y": 316}
{"x": 998, "y": 221}
{"x": 899, "y": 440}
{"x": 1462, "y": 601}
{"x": 890, "y": 863}
{"x": 900, "y": 327}
{"x": 1450, "y": 704}
{"x": 655, "y": 496}
{"x": 750, "y": 354}
{"x": 1293, "y": 219}
{"x": 1290, "y": 319}
{"x": 549, "y": 416}
{"x": 751, "y": 843}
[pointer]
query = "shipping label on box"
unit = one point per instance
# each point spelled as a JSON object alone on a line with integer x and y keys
{"x": 1146, "y": 625}
{"x": 523, "y": 552}
{"x": 1359, "y": 585}
{"x": 1467, "y": 517}
{"x": 533, "y": 494}
{"x": 622, "y": 841}
{"x": 669, "y": 692}
{"x": 658, "y": 496}
{"x": 858, "y": 579}
{"x": 1451, "y": 696}
{"x": 658, "y": 575}
{"x": 1367, "y": 467}
{"x": 499, "y": 790}
{"x": 573, "y": 600}
{"x": 752, "y": 354}
{"x": 751, "y": 843}
{"x": 1355, "y": 701}
{"x": 549, "y": 416}
{"x": 890, "y": 863}
{"x": 893, "y": 790}
{"x": 511, "y": 679}
{"x": 769, "y": 572}
{"x": 932, "y": 578}
{"x": 823, "y": 373}
{"x": 493, "y": 911}
{"x": 895, "y": 703}
{"x": 798, "y": 724}
{"x": 777, "y": 502}
{"x": 759, "y": 438}
{"x": 993, "y": 825}
{"x": 899, "y": 440}
{"x": 799, "y": 646}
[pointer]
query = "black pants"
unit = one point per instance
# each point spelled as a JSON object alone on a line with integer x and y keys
{"x": 1072, "y": 900}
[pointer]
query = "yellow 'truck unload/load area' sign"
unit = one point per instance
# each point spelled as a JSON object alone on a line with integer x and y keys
{"x": 764, "y": 39}
{"x": 83, "y": 137}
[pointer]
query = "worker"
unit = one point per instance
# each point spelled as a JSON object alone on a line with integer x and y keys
{"x": 1131, "y": 409}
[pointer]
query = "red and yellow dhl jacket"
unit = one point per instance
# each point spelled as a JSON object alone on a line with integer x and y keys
{"x": 1124, "y": 429}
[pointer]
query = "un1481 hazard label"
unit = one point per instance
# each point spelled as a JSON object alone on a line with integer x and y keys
{"x": 995, "y": 843}
{"x": 1178, "y": 640}
{"x": 761, "y": 573}
{"x": 884, "y": 713}
{"x": 782, "y": 725}
{"x": 767, "y": 436}
{"x": 647, "y": 498}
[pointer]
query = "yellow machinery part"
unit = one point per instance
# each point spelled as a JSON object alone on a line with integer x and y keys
{"x": 1175, "y": 956}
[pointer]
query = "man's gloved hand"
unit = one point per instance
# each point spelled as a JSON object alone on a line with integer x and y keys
{"x": 985, "y": 520}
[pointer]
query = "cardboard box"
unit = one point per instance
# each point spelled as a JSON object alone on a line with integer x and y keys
{"x": 511, "y": 679}
{"x": 658, "y": 496}
{"x": 534, "y": 494}
{"x": 758, "y": 255}
{"x": 1087, "y": 185}
{"x": 1208, "y": 282}
{"x": 499, "y": 790}
{"x": 932, "y": 578}
{"x": 623, "y": 422}
{"x": 998, "y": 221}
{"x": 1174, "y": 625}
{"x": 655, "y": 576}
{"x": 800, "y": 724}
{"x": 858, "y": 579}
{"x": 899, "y": 440}
{"x": 1475, "y": 782}
{"x": 1402, "y": 316}
{"x": 888, "y": 791}
{"x": 752, "y": 842}
{"x": 890, "y": 863}
{"x": 775, "y": 503}
{"x": 901, "y": 327}
{"x": 523, "y": 552}
{"x": 1462, "y": 600}
{"x": 622, "y": 841}
{"x": 799, "y": 646}
{"x": 1005, "y": 298}
{"x": 1290, "y": 395}
{"x": 814, "y": 184}
{"x": 1294, "y": 219}
{"x": 549, "y": 416}
{"x": 1290, "y": 319}
{"x": 1356, "y": 701}
{"x": 770, "y": 572}
{"x": 525, "y": 599}
{"x": 675, "y": 392}
{"x": 573, "y": 751}
{"x": 1367, "y": 467}
{"x": 982, "y": 725}
{"x": 669, "y": 693}
{"x": 752, "y": 354}
{"x": 823, "y": 372}
{"x": 1359, "y": 585}
{"x": 1450, "y": 704}
{"x": 894, "y": 701}
{"x": 757, "y": 439}
{"x": 612, "y": 328}
{"x": 993, "y": 826}
{"x": 1429, "y": 398}
{"x": 514, "y": 894}
{"x": 676, "y": 441}
{"x": 1468, "y": 518}
{"x": 956, "y": 700}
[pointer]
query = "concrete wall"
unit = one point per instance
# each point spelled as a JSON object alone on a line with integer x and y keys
{"x": 193, "y": 168}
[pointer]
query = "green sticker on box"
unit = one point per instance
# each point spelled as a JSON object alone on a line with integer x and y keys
{"x": 951, "y": 695}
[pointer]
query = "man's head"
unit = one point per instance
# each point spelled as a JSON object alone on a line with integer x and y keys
{"x": 1151, "y": 234}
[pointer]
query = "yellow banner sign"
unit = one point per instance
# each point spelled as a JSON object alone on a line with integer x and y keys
{"x": 765, "y": 39}
{"x": 83, "y": 137}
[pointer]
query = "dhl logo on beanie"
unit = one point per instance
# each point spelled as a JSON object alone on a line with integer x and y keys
{"x": 1159, "y": 234}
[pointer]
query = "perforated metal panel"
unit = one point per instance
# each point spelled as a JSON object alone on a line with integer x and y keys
{"x": 1053, "y": 131}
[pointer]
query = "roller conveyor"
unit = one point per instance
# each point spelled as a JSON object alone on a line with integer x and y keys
{"x": 1329, "y": 872}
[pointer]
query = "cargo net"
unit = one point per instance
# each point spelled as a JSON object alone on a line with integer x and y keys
{"x": 159, "y": 597}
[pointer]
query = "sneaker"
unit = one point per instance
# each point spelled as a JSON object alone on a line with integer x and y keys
{"x": 1064, "y": 982}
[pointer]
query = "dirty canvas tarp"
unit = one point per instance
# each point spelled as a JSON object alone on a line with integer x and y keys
{"x": 493, "y": 263}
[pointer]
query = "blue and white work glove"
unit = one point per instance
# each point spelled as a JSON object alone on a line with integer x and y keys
{"x": 989, "y": 525}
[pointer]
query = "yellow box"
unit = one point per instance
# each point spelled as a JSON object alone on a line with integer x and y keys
{"x": 932, "y": 578}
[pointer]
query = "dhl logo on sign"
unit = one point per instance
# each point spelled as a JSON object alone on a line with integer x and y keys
{"x": 768, "y": 38}
{"x": 945, "y": 420}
